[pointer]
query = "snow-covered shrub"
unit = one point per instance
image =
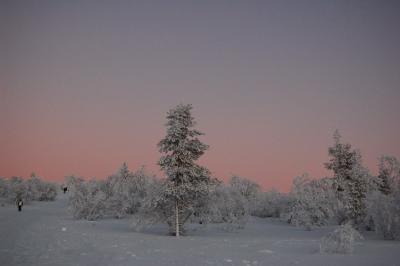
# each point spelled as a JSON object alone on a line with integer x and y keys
{"x": 341, "y": 240}
{"x": 135, "y": 191}
{"x": 154, "y": 208}
{"x": 270, "y": 204}
{"x": 32, "y": 186}
{"x": 226, "y": 206}
{"x": 117, "y": 196}
{"x": 383, "y": 200}
{"x": 385, "y": 213}
{"x": 40, "y": 190}
{"x": 250, "y": 190}
{"x": 312, "y": 202}
{"x": 125, "y": 191}
{"x": 17, "y": 189}
{"x": 3, "y": 188}
{"x": 30, "y": 189}
{"x": 86, "y": 200}
{"x": 48, "y": 191}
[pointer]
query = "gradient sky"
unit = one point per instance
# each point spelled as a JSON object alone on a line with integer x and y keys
{"x": 85, "y": 85}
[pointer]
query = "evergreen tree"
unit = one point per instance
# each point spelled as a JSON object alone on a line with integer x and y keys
{"x": 116, "y": 198}
{"x": 187, "y": 182}
{"x": 389, "y": 174}
{"x": 350, "y": 179}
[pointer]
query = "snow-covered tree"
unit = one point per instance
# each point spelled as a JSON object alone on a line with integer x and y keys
{"x": 117, "y": 200}
{"x": 17, "y": 189}
{"x": 4, "y": 190}
{"x": 32, "y": 187}
{"x": 227, "y": 206}
{"x": 313, "y": 202}
{"x": 138, "y": 185}
{"x": 29, "y": 189}
{"x": 187, "y": 182}
{"x": 389, "y": 174}
{"x": 350, "y": 180}
{"x": 384, "y": 202}
{"x": 119, "y": 195}
{"x": 37, "y": 189}
{"x": 250, "y": 190}
{"x": 154, "y": 206}
{"x": 125, "y": 191}
{"x": 271, "y": 203}
{"x": 384, "y": 209}
{"x": 86, "y": 200}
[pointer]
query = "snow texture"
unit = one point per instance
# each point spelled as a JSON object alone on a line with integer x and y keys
{"x": 36, "y": 236}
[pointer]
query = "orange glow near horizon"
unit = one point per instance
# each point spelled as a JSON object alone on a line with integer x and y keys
{"x": 84, "y": 87}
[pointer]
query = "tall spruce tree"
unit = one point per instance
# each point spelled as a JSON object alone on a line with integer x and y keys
{"x": 350, "y": 179}
{"x": 187, "y": 183}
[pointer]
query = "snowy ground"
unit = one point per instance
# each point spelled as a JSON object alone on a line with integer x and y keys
{"x": 44, "y": 234}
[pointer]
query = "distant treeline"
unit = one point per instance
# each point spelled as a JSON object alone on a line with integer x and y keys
{"x": 352, "y": 195}
{"x": 31, "y": 189}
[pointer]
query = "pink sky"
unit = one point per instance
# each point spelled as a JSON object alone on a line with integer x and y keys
{"x": 84, "y": 88}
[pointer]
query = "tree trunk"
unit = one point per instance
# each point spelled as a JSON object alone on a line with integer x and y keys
{"x": 176, "y": 219}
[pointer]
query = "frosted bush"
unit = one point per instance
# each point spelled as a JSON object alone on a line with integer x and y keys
{"x": 383, "y": 203}
{"x": 312, "y": 202}
{"x": 48, "y": 191}
{"x": 385, "y": 213}
{"x": 86, "y": 200}
{"x": 40, "y": 190}
{"x": 30, "y": 189}
{"x": 17, "y": 189}
{"x": 154, "y": 208}
{"x": 270, "y": 204}
{"x": 125, "y": 191}
{"x": 227, "y": 207}
{"x": 3, "y": 188}
{"x": 341, "y": 240}
{"x": 3, "y": 191}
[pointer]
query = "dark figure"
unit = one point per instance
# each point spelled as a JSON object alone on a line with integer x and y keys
{"x": 20, "y": 203}
{"x": 65, "y": 189}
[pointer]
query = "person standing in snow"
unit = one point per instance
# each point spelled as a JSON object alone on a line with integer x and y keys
{"x": 20, "y": 203}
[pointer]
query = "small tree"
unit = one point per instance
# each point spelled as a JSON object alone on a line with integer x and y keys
{"x": 389, "y": 174}
{"x": 114, "y": 189}
{"x": 126, "y": 191}
{"x": 350, "y": 180}
{"x": 187, "y": 182}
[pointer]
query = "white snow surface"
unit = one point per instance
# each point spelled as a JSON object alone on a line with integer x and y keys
{"x": 45, "y": 234}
